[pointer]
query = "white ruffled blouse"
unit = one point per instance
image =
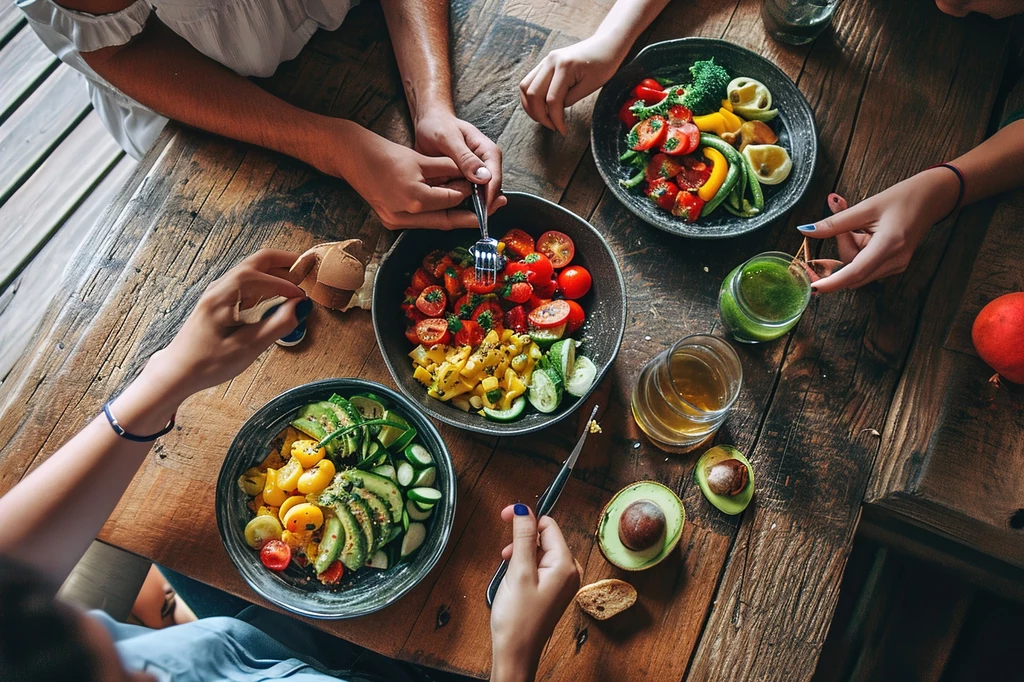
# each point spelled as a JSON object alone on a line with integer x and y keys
{"x": 250, "y": 37}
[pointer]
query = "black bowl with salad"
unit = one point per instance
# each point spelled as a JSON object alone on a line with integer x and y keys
{"x": 703, "y": 138}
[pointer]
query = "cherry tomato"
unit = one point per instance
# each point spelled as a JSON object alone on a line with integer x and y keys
{"x": 546, "y": 289}
{"x": 540, "y": 265}
{"x": 647, "y": 134}
{"x": 678, "y": 114}
{"x": 453, "y": 282}
{"x": 518, "y": 292}
{"x": 695, "y": 172}
{"x": 551, "y": 314}
{"x": 681, "y": 139}
{"x": 465, "y": 306}
{"x": 558, "y": 247}
{"x": 574, "y": 281}
{"x": 432, "y": 301}
{"x": 576, "y": 317}
{"x": 433, "y": 331}
{"x": 662, "y": 192}
{"x": 489, "y": 315}
{"x": 515, "y": 319}
{"x": 650, "y": 91}
{"x": 535, "y": 301}
{"x": 433, "y": 260}
{"x": 276, "y": 555}
{"x": 333, "y": 573}
{"x": 688, "y": 205}
{"x": 513, "y": 268}
{"x": 410, "y": 334}
{"x": 627, "y": 116}
{"x": 475, "y": 286}
{"x": 412, "y": 313}
{"x": 518, "y": 244}
{"x": 421, "y": 279}
{"x": 662, "y": 167}
{"x": 469, "y": 334}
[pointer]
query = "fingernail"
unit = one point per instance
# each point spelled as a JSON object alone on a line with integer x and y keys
{"x": 521, "y": 510}
{"x": 814, "y": 291}
{"x": 805, "y": 228}
{"x": 303, "y": 309}
{"x": 483, "y": 174}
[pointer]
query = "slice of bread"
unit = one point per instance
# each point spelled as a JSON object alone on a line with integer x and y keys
{"x": 606, "y": 598}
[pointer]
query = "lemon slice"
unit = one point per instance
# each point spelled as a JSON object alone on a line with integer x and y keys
{"x": 771, "y": 163}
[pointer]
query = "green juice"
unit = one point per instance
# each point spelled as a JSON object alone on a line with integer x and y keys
{"x": 763, "y": 299}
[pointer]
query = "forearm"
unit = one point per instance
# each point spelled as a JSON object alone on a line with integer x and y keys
{"x": 506, "y": 667}
{"x": 994, "y": 166}
{"x": 419, "y": 32}
{"x": 625, "y": 21}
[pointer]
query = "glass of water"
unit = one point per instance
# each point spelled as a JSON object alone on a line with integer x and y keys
{"x": 797, "y": 21}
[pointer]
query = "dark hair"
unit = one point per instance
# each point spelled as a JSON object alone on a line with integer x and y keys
{"x": 40, "y": 637}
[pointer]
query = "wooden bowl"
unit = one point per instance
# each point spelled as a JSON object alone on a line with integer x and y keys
{"x": 605, "y": 305}
{"x": 672, "y": 59}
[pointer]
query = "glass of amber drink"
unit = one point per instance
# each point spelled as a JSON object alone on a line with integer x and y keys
{"x": 685, "y": 393}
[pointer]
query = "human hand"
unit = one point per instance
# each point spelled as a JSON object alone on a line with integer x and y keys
{"x": 565, "y": 76}
{"x": 533, "y": 595}
{"x": 212, "y": 346}
{"x": 441, "y": 133}
{"x": 877, "y": 237}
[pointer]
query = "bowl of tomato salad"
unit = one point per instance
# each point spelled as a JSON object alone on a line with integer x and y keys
{"x": 509, "y": 358}
{"x": 667, "y": 165}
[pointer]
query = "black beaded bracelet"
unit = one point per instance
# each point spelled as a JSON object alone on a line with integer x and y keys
{"x": 119, "y": 430}
{"x": 963, "y": 186}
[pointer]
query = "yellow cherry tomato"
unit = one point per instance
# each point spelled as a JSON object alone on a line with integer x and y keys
{"x": 303, "y": 517}
{"x": 261, "y": 530}
{"x": 288, "y": 475}
{"x": 307, "y": 452}
{"x": 272, "y": 495}
{"x": 317, "y": 478}
{"x": 251, "y": 482}
{"x": 288, "y": 504}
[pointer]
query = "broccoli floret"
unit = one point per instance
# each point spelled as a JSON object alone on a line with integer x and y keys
{"x": 707, "y": 90}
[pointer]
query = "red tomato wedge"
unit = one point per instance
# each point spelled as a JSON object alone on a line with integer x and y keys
{"x": 662, "y": 192}
{"x": 647, "y": 134}
{"x": 276, "y": 555}
{"x": 333, "y": 573}
{"x": 558, "y": 247}
{"x": 515, "y": 319}
{"x": 627, "y": 117}
{"x": 432, "y": 331}
{"x": 518, "y": 244}
{"x": 678, "y": 114}
{"x": 662, "y": 167}
{"x": 688, "y": 205}
{"x": 574, "y": 281}
{"x": 453, "y": 282}
{"x": 650, "y": 91}
{"x": 475, "y": 286}
{"x": 576, "y": 317}
{"x": 681, "y": 139}
{"x": 489, "y": 316}
{"x": 694, "y": 174}
{"x": 432, "y": 301}
{"x": 550, "y": 314}
{"x": 469, "y": 334}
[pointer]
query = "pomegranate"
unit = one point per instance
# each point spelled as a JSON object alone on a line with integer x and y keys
{"x": 998, "y": 336}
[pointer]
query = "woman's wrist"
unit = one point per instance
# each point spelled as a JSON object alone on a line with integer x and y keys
{"x": 514, "y": 663}
{"x": 939, "y": 191}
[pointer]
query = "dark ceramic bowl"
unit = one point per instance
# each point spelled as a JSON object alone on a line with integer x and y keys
{"x": 672, "y": 59}
{"x": 605, "y": 305}
{"x": 293, "y": 590}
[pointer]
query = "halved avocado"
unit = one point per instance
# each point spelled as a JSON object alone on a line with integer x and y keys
{"x": 379, "y": 512}
{"x": 608, "y": 528}
{"x": 364, "y": 516}
{"x": 353, "y": 552}
{"x": 730, "y": 504}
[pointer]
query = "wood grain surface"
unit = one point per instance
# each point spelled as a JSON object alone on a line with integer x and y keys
{"x": 745, "y": 598}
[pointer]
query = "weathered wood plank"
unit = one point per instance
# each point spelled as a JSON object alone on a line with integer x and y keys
{"x": 11, "y": 20}
{"x": 23, "y": 62}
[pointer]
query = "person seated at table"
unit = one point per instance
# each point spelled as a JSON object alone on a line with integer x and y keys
{"x": 53, "y": 514}
{"x": 149, "y": 60}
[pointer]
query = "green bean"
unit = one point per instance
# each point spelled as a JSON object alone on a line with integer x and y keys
{"x": 733, "y": 176}
{"x": 754, "y": 183}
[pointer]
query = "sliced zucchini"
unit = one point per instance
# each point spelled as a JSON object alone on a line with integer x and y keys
{"x": 418, "y": 456}
{"x": 425, "y": 478}
{"x": 545, "y": 392}
{"x": 425, "y": 495}
{"x": 413, "y": 539}
{"x": 514, "y": 411}
{"x": 379, "y": 560}
{"x": 422, "y": 506}
{"x": 387, "y": 471}
{"x": 417, "y": 514}
{"x": 563, "y": 356}
{"x": 582, "y": 377}
{"x": 405, "y": 474}
{"x": 545, "y": 337}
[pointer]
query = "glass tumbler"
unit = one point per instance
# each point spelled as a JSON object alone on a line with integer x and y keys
{"x": 764, "y": 298}
{"x": 797, "y": 21}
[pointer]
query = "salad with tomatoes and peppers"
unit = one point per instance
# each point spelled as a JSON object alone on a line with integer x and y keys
{"x": 346, "y": 486}
{"x": 495, "y": 348}
{"x": 705, "y": 144}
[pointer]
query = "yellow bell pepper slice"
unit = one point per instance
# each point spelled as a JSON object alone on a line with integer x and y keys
{"x": 711, "y": 123}
{"x": 732, "y": 121}
{"x": 726, "y": 104}
{"x": 718, "y": 173}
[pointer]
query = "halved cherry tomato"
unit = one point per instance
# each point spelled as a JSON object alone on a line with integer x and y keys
{"x": 576, "y": 317}
{"x": 650, "y": 91}
{"x": 574, "y": 281}
{"x": 661, "y": 167}
{"x": 421, "y": 279}
{"x": 432, "y": 260}
{"x": 545, "y": 289}
{"x": 475, "y": 286}
{"x": 551, "y": 314}
{"x": 688, "y": 205}
{"x": 515, "y": 319}
{"x": 333, "y": 573}
{"x": 465, "y": 306}
{"x": 681, "y": 139}
{"x": 410, "y": 334}
{"x": 678, "y": 114}
{"x": 432, "y": 301}
{"x": 433, "y": 331}
{"x": 695, "y": 172}
{"x": 517, "y": 292}
{"x": 558, "y": 247}
{"x": 469, "y": 334}
{"x": 276, "y": 555}
{"x": 518, "y": 244}
{"x": 453, "y": 282}
{"x": 647, "y": 134}
{"x": 662, "y": 192}
{"x": 627, "y": 116}
{"x": 489, "y": 315}
{"x": 540, "y": 265}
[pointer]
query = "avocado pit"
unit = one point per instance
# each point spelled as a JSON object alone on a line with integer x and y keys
{"x": 642, "y": 525}
{"x": 727, "y": 477}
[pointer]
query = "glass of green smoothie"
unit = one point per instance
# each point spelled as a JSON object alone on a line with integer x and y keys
{"x": 764, "y": 298}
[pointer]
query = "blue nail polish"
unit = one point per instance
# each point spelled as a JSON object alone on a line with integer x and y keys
{"x": 303, "y": 309}
{"x": 521, "y": 510}
{"x": 805, "y": 228}
{"x": 295, "y": 337}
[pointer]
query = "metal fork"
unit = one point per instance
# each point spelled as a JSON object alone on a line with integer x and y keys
{"x": 486, "y": 259}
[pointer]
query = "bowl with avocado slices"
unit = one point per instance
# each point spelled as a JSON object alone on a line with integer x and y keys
{"x": 640, "y": 526}
{"x": 336, "y": 498}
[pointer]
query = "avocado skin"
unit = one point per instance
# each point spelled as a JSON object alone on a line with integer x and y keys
{"x": 608, "y": 528}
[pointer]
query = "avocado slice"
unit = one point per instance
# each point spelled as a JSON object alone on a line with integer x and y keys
{"x": 346, "y": 416}
{"x": 317, "y": 421}
{"x": 364, "y": 516}
{"x": 380, "y": 513}
{"x": 353, "y": 551}
{"x": 729, "y": 504}
{"x": 608, "y": 527}
{"x": 389, "y": 434}
{"x": 330, "y": 545}
{"x": 380, "y": 486}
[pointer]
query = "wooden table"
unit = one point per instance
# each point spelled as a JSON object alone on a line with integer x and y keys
{"x": 895, "y": 88}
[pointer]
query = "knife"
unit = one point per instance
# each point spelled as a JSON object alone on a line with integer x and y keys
{"x": 546, "y": 501}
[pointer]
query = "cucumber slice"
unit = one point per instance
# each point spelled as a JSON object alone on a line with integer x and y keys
{"x": 422, "y": 506}
{"x": 418, "y": 456}
{"x": 545, "y": 337}
{"x": 582, "y": 377}
{"x": 413, "y": 539}
{"x": 425, "y": 495}
{"x": 425, "y": 477}
{"x": 563, "y": 357}
{"x": 417, "y": 514}
{"x": 387, "y": 471}
{"x": 405, "y": 521}
{"x": 389, "y": 434}
{"x": 379, "y": 560}
{"x": 545, "y": 392}
{"x": 514, "y": 411}
{"x": 405, "y": 474}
